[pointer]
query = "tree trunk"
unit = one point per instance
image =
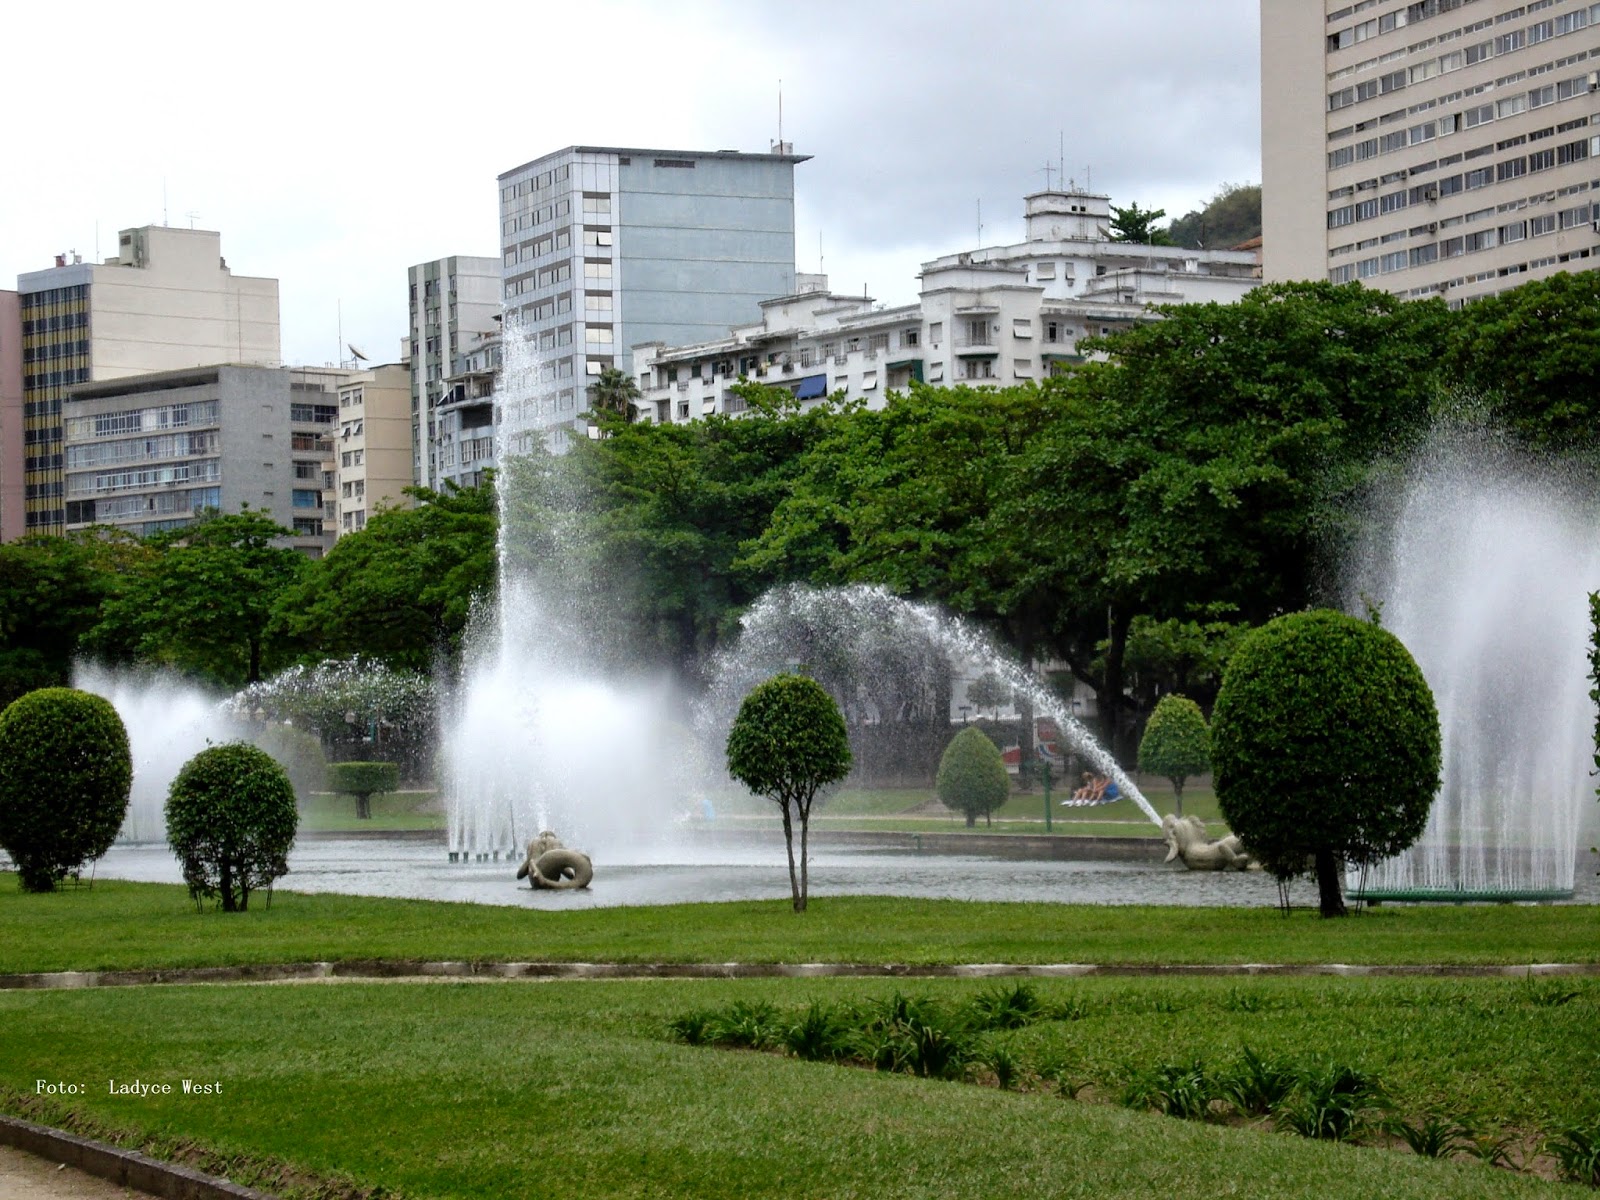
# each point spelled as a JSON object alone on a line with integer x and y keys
{"x": 788, "y": 845}
{"x": 1177, "y": 796}
{"x": 363, "y": 807}
{"x": 1114, "y": 680}
{"x": 972, "y": 819}
{"x": 226, "y": 887}
{"x": 805, "y": 831}
{"x": 1330, "y": 892}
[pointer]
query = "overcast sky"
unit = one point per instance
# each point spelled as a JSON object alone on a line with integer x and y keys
{"x": 336, "y": 144}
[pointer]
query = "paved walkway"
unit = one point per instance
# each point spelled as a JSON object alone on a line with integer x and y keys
{"x": 25, "y": 1177}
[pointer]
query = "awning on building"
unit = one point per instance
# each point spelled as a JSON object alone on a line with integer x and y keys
{"x": 811, "y": 387}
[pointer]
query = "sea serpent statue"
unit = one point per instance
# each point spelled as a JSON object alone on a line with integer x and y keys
{"x": 551, "y": 865}
{"x": 1186, "y": 839}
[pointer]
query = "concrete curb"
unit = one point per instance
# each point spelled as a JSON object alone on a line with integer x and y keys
{"x": 414, "y": 969}
{"x": 125, "y": 1168}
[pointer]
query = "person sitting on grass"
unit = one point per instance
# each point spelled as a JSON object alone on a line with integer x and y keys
{"x": 1096, "y": 789}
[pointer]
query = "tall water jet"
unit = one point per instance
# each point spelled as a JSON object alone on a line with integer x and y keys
{"x": 547, "y": 728}
{"x": 884, "y": 658}
{"x": 1483, "y": 570}
{"x": 168, "y": 721}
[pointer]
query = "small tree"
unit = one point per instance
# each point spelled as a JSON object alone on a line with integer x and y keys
{"x": 1325, "y": 745}
{"x": 362, "y": 780}
{"x": 65, "y": 772}
{"x": 231, "y": 820}
{"x": 972, "y": 776}
{"x": 788, "y": 741}
{"x": 989, "y": 691}
{"x": 1176, "y": 743}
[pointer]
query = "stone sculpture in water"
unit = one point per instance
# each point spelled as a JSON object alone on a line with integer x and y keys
{"x": 1186, "y": 839}
{"x": 549, "y": 864}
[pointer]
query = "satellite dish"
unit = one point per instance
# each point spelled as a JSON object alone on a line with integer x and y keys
{"x": 356, "y": 354}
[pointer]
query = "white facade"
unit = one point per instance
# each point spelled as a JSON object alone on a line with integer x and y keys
{"x": 453, "y": 302}
{"x": 1437, "y": 148}
{"x": 374, "y": 457}
{"x": 995, "y": 315}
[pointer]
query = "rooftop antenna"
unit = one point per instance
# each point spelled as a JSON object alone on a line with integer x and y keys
{"x": 821, "y": 270}
{"x": 1048, "y": 169}
{"x": 191, "y": 214}
{"x": 780, "y": 112}
{"x": 355, "y": 353}
{"x": 980, "y": 221}
{"x": 163, "y": 201}
{"x": 1061, "y": 162}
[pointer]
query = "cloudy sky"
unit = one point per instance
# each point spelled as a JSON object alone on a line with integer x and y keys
{"x": 334, "y": 144}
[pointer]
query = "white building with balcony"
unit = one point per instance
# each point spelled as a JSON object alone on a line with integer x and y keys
{"x": 995, "y": 315}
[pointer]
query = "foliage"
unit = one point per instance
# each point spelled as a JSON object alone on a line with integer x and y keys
{"x": 65, "y": 772}
{"x": 788, "y": 741}
{"x": 1232, "y": 216}
{"x": 1530, "y": 354}
{"x": 203, "y": 602}
{"x": 1255, "y": 1084}
{"x": 1331, "y": 1102}
{"x": 1432, "y": 1135}
{"x": 231, "y": 821}
{"x": 1325, "y": 745}
{"x": 989, "y": 691}
{"x": 1173, "y": 1089}
{"x": 361, "y": 780}
{"x": 614, "y": 394}
{"x": 1135, "y": 224}
{"x": 1186, "y": 655}
{"x": 401, "y": 590}
{"x": 51, "y": 589}
{"x": 972, "y": 775}
{"x": 1576, "y": 1148}
{"x": 1176, "y": 743}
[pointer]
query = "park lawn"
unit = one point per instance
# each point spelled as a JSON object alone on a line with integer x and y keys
{"x": 325, "y": 812}
{"x": 119, "y": 924}
{"x": 508, "y": 1089}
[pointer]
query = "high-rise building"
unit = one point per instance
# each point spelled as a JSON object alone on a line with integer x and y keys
{"x": 10, "y": 417}
{"x": 454, "y": 301}
{"x": 149, "y": 452}
{"x": 166, "y": 301}
{"x": 1438, "y": 148}
{"x": 374, "y": 444}
{"x": 607, "y": 248}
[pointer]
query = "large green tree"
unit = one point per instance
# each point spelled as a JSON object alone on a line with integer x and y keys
{"x": 1135, "y": 224}
{"x": 1176, "y": 744}
{"x": 1530, "y": 358}
{"x": 401, "y": 590}
{"x": 1326, "y": 747}
{"x": 203, "y": 602}
{"x": 1232, "y": 216}
{"x": 614, "y": 393}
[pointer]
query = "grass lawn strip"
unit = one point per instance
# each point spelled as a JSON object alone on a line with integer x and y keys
{"x": 461, "y": 1090}
{"x": 121, "y": 925}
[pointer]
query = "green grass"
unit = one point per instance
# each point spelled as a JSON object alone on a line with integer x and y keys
{"x": 492, "y": 1090}
{"x": 324, "y": 812}
{"x": 117, "y": 924}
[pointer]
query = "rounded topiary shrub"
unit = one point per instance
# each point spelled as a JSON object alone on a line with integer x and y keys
{"x": 1176, "y": 743}
{"x": 1325, "y": 747}
{"x": 231, "y": 820}
{"x": 972, "y": 775}
{"x": 65, "y": 771}
{"x": 363, "y": 780}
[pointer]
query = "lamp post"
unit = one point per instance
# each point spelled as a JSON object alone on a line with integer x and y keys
{"x": 1046, "y": 762}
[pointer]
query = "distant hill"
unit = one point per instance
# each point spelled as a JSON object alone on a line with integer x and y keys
{"x": 1233, "y": 216}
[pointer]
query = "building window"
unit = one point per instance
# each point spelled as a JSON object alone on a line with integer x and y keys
{"x": 908, "y": 337}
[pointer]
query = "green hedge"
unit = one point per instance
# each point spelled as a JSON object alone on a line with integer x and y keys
{"x": 65, "y": 771}
{"x": 231, "y": 820}
{"x": 1176, "y": 743}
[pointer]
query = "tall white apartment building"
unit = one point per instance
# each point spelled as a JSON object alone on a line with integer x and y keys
{"x": 605, "y": 248}
{"x": 453, "y": 301}
{"x": 1437, "y": 148}
{"x": 995, "y": 315}
{"x": 373, "y": 450}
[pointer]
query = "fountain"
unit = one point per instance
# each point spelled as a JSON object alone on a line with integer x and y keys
{"x": 886, "y": 658}
{"x": 168, "y": 722}
{"x": 1484, "y": 572}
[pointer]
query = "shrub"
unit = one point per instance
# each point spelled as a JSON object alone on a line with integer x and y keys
{"x": 65, "y": 772}
{"x": 1254, "y": 1085}
{"x": 362, "y": 780}
{"x": 231, "y": 820}
{"x": 1176, "y": 743}
{"x": 1576, "y": 1149}
{"x": 1325, "y": 745}
{"x": 1331, "y": 1101}
{"x": 1432, "y": 1135}
{"x": 972, "y": 776}
{"x": 788, "y": 741}
{"x": 1175, "y": 1089}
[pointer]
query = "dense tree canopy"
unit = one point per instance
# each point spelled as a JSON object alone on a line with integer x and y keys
{"x": 1232, "y": 217}
{"x": 1135, "y": 224}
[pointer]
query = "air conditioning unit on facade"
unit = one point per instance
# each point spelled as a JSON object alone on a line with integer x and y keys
{"x": 1430, "y": 194}
{"x": 1433, "y": 227}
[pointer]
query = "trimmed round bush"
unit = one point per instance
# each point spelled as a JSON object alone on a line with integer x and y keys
{"x": 1176, "y": 743}
{"x": 1325, "y": 747}
{"x": 231, "y": 820}
{"x": 788, "y": 741}
{"x": 363, "y": 780}
{"x": 65, "y": 771}
{"x": 972, "y": 775}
